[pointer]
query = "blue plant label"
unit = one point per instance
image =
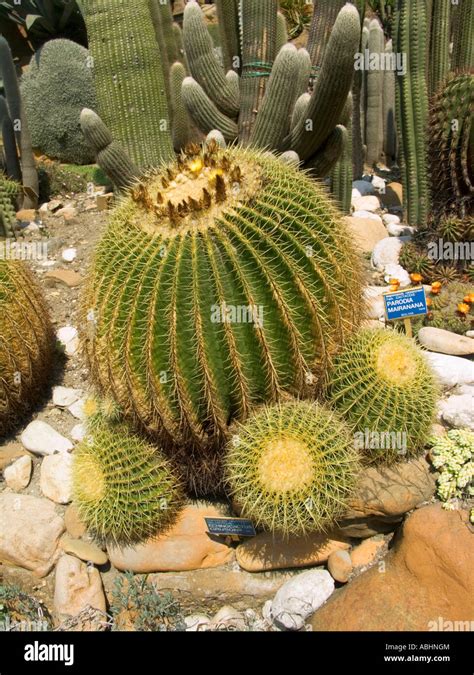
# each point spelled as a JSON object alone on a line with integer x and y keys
{"x": 405, "y": 304}
{"x": 240, "y": 527}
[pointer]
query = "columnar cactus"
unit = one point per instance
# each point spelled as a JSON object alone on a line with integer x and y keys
{"x": 223, "y": 281}
{"x": 9, "y": 191}
{"x": 322, "y": 22}
{"x": 342, "y": 175}
{"x": 10, "y": 157}
{"x": 181, "y": 121}
{"x": 375, "y": 80}
{"x": 26, "y": 345}
{"x": 291, "y": 468}
{"x": 439, "y": 43}
{"x": 389, "y": 107}
{"x": 228, "y": 16}
{"x": 129, "y": 78}
{"x": 463, "y": 47}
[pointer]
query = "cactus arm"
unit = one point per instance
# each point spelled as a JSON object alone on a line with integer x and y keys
{"x": 9, "y": 143}
{"x": 299, "y": 109}
{"x": 389, "y": 129}
{"x": 281, "y": 32}
{"x": 204, "y": 112}
{"x": 327, "y": 156}
{"x": 228, "y": 17}
{"x": 181, "y": 122}
{"x": 374, "y": 116}
{"x": 324, "y": 15}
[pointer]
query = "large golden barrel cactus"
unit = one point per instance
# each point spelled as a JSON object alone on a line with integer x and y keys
{"x": 26, "y": 343}
{"x": 223, "y": 281}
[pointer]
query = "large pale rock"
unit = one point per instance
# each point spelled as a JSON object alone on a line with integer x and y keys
{"x": 445, "y": 342}
{"x": 77, "y": 587}
{"x": 451, "y": 370}
{"x": 367, "y": 214}
{"x": 267, "y": 551}
{"x": 364, "y": 187}
{"x": 65, "y": 396}
{"x": 374, "y": 301}
{"x": 386, "y": 252}
{"x": 367, "y": 203}
{"x": 366, "y": 232}
{"x": 184, "y": 546}
{"x": 18, "y": 475}
{"x": 340, "y": 566}
{"x": 10, "y": 452}
{"x": 398, "y": 230}
{"x": 74, "y": 525}
{"x": 41, "y": 439}
{"x": 29, "y": 532}
{"x": 69, "y": 339}
{"x": 428, "y": 575}
{"x": 458, "y": 411}
{"x": 56, "y": 478}
{"x": 296, "y": 600}
{"x": 84, "y": 550}
{"x": 397, "y": 272}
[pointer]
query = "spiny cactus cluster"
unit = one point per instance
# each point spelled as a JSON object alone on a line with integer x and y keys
{"x": 291, "y": 468}
{"x": 255, "y": 102}
{"x": 124, "y": 489}
{"x": 453, "y": 456}
{"x": 223, "y": 281}
{"x": 26, "y": 344}
{"x": 444, "y": 308}
{"x": 55, "y": 88}
{"x": 382, "y": 384}
{"x": 9, "y": 191}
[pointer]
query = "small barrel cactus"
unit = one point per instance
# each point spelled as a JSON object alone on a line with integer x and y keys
{"x": 124, "y": 489}
{"x": 445, "y": 304}
{"x": 291, "y": 468}
{"x": 223, "y": 281}
{"x": 56, "y": 87}
{"x": 385, "y": 389}
{"x": 26, "y": 343}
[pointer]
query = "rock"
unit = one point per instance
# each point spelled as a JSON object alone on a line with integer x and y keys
{"x": 364, "y": 187}
{"x": 84, "y": 550}
{"x": 56, "y": 478}
{"x": 427, "y": 577}
{"x": 267, "y": 551}
{"x": 393, "y": 196}
{"x": 340, "y": 566}
{"x": 74, "y": 525}
{"x": 41, "y": 439}
{"x": 296, "y": 600}
{"x": 445, "y": 342}
{"x": 367, "y": 203}
{"x": 54, "y": 205}
{"x": 77, "y": 586}
{"x": 391, "y": 219}
{"x": 397, "y": 272}
{"x": 64, "y": 396}
{"x": 69, "y": 254}
{"x": 68, "y": 337}
{"x": 18, "y": 475}
{"x": 69, "y": 278}
{"x": 369, "y": 215}
{"x": 396, "y": 230}
{"x": 185, "y": 546}
{"x": 26, "y": 215}
{"x": 227, "y": 618}
{"x": 390, "y": 492}
{"x": 10, "y": 452}
{"x": 196, "y": 623}
{"x": 77, "y": 409}
{"x": 67, "y": 212}
{"x": 29, "y": 532}
{"x": 386, "y": 252}
{"x": 451, "y": 370}
{"x": 458, "y": 411}
{"x": 470, "y": 333}
{"x": 374, "y": 301}
{"x": 365, "y": 553}
{"x": 438, "y": 430}
{"x": 379, "y": 183}
{"x": 366, "y": 232}
{"x": 365, "y": 527}
{"x": 78, "y": 433}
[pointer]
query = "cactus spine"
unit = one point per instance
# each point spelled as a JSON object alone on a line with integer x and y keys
{"x": 129, "y": 78}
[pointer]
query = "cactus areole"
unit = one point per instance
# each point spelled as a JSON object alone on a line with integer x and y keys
{"x": 223, "y": 281}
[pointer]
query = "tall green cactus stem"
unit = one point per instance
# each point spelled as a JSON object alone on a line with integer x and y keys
{"x": 324, "y": 16}
{"x": 281, "y": 32}
{"x": 258, "y": 29}
{"x": 358, "y": 131}
{"x": 155, "y": 16}
{"x": 311, "y": 132}
{"x": 204, "y": 112}
{"x": 389, "y": 122}
{"x": 228, "y": 17}
{"x": 304, "y": 72}
{"x": 129, "y": 78}
{"x": 9, "y": 191}
{"x": 439, "y": 43}
{"x": 451, "y": 147}
{"x": 10, "y": 152}
{"x": 273, "y": 119}
{"x": 233, "y": 79}
{"x": 374, "y": 115}
{"x": 110, "y": 155}
{"x": 203, "y": 62}
{"x": 20, "y": 126}
{"x": 169, "y": 44}
{"x": 412, "y": 33}
{"x": 223, "y": 281}
{"x": 364, "y": 41}
{"x": 463, "y": 51}
{"x": 178, "y": 36}
{"x": 321, "y": 165}
{"x": 300, "y": 109}
{"x": 342, "y": 175}
{"x": 181, "y": 121}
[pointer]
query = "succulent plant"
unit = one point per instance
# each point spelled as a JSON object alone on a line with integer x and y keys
{"x": 124, "y": 489}
{"x": 26, "y": 345}
{"x": 374, "y": 122}
{"x": 9, "y": 191}
{"x": 56, "y": 87}
{"x": 463, "y": 48}
{"x": 291, "y": 467}
{"x": 223, "y": 281}
{"x": 444, "y": 311}
{"x": 382, "y": 385}
{"x": 415, "y": 260}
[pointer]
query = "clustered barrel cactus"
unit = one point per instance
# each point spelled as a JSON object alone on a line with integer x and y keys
{"x": 9, "y": 191}
{"x": 223, "y": 281}
{"x": 26, "y": 344}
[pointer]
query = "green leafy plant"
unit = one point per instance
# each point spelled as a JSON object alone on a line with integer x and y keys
{"x": 291, "y": 468}
{"x": 20, "y": 611}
